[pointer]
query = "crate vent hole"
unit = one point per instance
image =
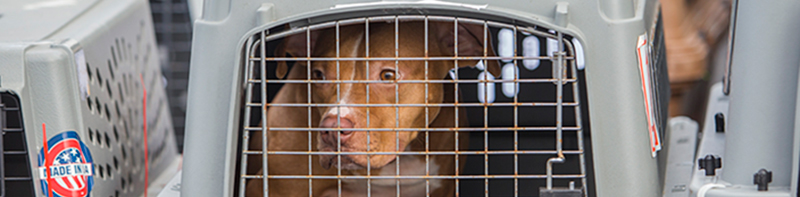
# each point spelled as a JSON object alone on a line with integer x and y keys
{"x": 116, "y": 106}
{"x": 124, "y": 50}
{"x": 108, "y": 114}
{"x": 97, "y": 106}
{"x": 98, "y": 137}
{"x": 108, "y": 171}
{"x": 124, "y": 154}
{"x": 121, "y": 95}
{"x": 91, "y": 134}
{"x": 111, "y": 70}
{"x": 89, "y": 104}
{"x": 133, "y": 158}
{"x": 108, "y": 143}
{"x": 113, "y": 55}
{"x": 123, "y": 184}
{"x": 108, "y": 88}
{"x": 125, "y": 83}
{"x": 119, "y": 50}
{"x": 100, "y": 171}
{"x": 116, "y": 133}
{"x": 130, "y": 180}
{"x": 125, "y": 127}
{"x": 89, "y": 70}
{"x": 99, "y": 76}
{"x": 116, "y": 163}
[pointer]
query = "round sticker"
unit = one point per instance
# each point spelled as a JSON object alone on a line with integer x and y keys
{"x": 70, "y": 165}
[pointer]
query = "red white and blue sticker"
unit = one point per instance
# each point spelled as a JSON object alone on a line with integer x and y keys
{"x": 70, "y": 165}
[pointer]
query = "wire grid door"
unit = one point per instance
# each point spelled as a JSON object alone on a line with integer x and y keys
{"x": 261, "y": 86}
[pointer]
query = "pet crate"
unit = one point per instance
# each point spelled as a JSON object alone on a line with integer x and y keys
{"x": 79, "y": 70}
{"x": 576, "y": 107}
{"x": 750, "y": 142}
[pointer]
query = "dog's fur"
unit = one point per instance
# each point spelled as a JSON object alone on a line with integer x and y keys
{"x": 381, "y": 44}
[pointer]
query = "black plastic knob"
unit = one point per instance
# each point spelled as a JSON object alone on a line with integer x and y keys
{"x": 762, "y": 178}
{"x": 710, "y": 163}
{"x": 719, "y": 122}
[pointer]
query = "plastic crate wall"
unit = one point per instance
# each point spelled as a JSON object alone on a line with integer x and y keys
{"x": 83, "y": 76}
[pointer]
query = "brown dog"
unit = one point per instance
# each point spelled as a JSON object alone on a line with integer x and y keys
{"x": 381, "y": 44}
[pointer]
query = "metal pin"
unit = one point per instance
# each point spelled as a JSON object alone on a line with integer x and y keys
{"x": 264, "y": 127}
{"x": 308, "y": 118}
{"x": 246, "y": 134}
{"x": 397, "y": 101}
{"x": 455, "y": 86}
{"x": 366, "y": 77}
{"x": 516, "y": 118}
{"x": 338, "y": 116}
{"x": 427, "y": 119}
{"x": 485, "y": 122}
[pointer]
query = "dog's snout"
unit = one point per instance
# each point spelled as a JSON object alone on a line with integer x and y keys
{"x": 331, "y": 122}
{"x": 331, "y": 135}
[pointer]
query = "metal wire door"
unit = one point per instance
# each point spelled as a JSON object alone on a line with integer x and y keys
{"x": 562, "y": 99}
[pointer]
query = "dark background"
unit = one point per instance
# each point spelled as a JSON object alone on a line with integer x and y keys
{"x": 174, "y": 36}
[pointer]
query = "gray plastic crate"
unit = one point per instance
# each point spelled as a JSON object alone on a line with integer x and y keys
{"x": 751, "y": 118}
{"x": 608, "y": 31}
{"x": 80, "y": 69}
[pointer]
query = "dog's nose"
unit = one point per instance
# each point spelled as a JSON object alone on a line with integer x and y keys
{"x": 343, "y": 135}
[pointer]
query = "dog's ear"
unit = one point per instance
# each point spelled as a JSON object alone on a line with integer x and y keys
{"x": 296, "y": 45}
{"x": 470, "y": 43}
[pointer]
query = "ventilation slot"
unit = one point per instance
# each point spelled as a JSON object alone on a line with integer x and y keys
{"x": 16, "y": 172}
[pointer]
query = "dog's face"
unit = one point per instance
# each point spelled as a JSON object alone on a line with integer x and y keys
{"x": 353, "y": 84}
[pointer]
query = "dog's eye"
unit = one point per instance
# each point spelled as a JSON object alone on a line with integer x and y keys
{"x": 387, "y": 75}
{"x": 317, "y": 75}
